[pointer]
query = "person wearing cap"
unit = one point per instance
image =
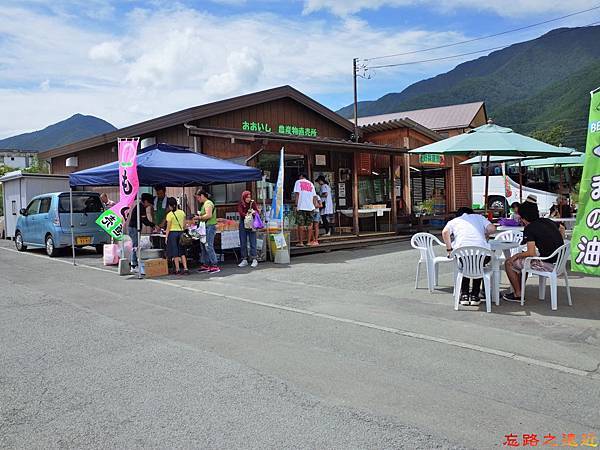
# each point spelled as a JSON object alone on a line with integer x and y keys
{"x": 208, "y": 215}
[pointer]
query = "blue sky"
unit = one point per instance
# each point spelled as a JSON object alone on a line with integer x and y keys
{"x": 131, "y": 60}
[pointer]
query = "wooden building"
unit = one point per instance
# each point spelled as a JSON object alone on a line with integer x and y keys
{"x": 434, "y": 179}
{"x": 251, "y": 129}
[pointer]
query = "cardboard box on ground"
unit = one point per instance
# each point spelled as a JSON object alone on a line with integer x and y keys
{"x": 156, "y": 267}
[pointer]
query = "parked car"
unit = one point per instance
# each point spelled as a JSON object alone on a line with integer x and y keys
{"x": 46, "y": 222}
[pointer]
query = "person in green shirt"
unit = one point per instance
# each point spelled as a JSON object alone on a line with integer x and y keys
{"x": 160, "y": 207}
{"x": 208, "y": 215}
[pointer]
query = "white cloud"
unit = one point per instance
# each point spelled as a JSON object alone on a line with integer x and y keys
{"x": 514, "y": 8}
{"x": 153, "y": 67}
{"x": 45, "y": 85}
{"x": 244, "y": 68}
{"x": 109, "y": 51}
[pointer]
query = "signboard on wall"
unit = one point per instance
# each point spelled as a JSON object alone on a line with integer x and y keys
{"x": 291, "y": 129}
{"x": 432, "y": 159}
{"x": 320, "y": 160}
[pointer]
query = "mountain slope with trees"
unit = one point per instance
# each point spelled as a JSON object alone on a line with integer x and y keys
{"x": 533, "y": 85}
{"x": 73, "y": 129}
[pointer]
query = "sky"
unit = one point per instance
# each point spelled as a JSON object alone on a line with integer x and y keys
{"x": 131, "y": 60}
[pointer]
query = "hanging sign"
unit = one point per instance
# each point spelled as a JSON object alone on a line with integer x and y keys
{"x": 432, "y": 158}
{"x": 585, "y": 245}
{"x": 113, "y": 220}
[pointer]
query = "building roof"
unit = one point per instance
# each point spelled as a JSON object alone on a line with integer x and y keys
{"x": 437, "y": 119}
{"x": 20, "y": 174}
{"x": 398, "y": 123}
{"x": 17, "y": 151}
{"x": 200, "y": 112}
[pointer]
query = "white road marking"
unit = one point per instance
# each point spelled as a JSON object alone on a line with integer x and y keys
{"x": 425, "y": 337}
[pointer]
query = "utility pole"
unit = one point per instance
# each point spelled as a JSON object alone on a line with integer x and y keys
{"x": 354, "y": 69}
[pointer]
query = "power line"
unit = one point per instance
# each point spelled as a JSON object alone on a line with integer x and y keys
{"x": 468, "y": 53}
{"x": 484, "y": 37}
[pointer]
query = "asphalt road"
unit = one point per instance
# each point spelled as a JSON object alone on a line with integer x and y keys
{"x": 336, "y": 351}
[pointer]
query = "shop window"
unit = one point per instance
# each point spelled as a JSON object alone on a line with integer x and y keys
{"x": 428, "y": 191}
{"x": 227, "y": 193}
{"x": 268, "y": 163}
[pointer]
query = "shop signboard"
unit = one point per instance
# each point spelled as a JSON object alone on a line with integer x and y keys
{"x": 113, "y": 220}
{"x": 585, "y": 245}
{"x": 432, "y": 159}
{"x": 291, "y": 129}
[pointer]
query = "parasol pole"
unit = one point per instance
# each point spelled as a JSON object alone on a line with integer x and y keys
{"x": 520, "y": 183}
{"x": 487, "y": 181}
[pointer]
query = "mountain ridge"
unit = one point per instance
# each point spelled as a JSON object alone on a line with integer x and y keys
{"x": 561, "y": 63}
{"x": 72, "y": 129}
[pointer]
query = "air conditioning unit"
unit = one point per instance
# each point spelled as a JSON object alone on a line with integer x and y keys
{"x": 147, "y": 142}
{"x": 72, "y": 161}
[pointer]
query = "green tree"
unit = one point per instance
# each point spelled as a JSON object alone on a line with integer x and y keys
{"x": 3, "y": 170}
{"x": 554, "y": 135}
{"x": 37, "y": 166}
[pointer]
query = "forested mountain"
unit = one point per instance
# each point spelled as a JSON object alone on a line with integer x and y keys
{"x": 73, "y": 129}
{"x": 533, "y": 85}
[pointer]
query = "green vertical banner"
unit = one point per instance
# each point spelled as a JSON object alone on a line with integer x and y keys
{"x": 585, "y": 246}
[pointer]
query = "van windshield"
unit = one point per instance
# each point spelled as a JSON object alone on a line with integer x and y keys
{"x": 82, "y": 203}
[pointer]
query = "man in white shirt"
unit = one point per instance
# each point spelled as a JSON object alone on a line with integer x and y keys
{"x": 468, "y": 230}
{"x": 304, "y": 192}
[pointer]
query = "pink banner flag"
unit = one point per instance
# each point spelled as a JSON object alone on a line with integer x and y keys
{"x": 114, "y": 219}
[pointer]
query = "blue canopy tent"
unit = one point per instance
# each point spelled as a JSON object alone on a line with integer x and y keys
{"x": 167, "y": 165}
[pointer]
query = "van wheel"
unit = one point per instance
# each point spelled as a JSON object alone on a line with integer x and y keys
{"x": 19, "y": 242}
{"x": 50, "y": 248}
{"x": 100, "y": 249}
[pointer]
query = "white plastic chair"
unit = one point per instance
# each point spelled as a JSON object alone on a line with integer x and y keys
{"x": 470, "y": 263}
{"x": 560, "y": 268}
{"x": 511, "y": 236}
{"x": 424, "y": 243}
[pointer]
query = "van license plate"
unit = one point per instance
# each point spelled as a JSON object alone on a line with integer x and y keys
{"x": 83, "y": 240}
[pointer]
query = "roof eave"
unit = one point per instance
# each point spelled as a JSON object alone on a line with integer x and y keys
{"x": 200, "y": 112}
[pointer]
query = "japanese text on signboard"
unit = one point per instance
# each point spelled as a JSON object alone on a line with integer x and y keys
{"x": 294, "y": 130}
{"x": 113, "y": 220}
{"x": 585, "y": 245}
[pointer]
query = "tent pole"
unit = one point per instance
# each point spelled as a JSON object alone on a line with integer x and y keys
{"x": 520, "y": 183}
{"x": 71, "y": 219}
{"x": 139, "y": 235}
{"x": 487, "y": 181}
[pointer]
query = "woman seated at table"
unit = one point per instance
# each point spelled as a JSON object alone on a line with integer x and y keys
{"x": 175, "y": 226}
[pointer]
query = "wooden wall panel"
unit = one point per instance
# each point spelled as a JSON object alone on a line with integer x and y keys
{"x": 283, "y": 111}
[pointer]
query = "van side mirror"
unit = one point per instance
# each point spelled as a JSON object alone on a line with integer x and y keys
{"x": 23, "y": 211}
